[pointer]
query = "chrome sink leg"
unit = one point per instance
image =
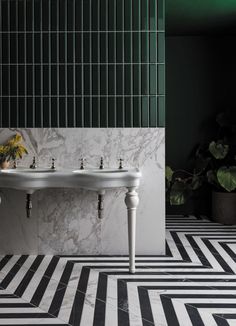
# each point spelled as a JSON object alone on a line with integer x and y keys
{"x": 28, "y": 205}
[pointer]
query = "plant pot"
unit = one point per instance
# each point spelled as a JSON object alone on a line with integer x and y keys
{"x": 224, "y": 207}
{"x": 4, "y": 165}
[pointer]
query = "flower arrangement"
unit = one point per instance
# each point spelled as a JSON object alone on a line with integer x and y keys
{"x": 12, "y": 150}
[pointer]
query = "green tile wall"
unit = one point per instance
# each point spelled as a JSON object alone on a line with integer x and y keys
{"x": 82, "y": 63}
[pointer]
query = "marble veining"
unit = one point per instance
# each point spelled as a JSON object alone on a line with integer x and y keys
{"x": 64, "y": 221}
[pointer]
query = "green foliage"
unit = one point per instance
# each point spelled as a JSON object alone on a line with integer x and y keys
{"x": 13, "y": 149}
{"x": 218, "y": 149}
{"x": 214, "y": 164}
{"x": 226, "y": 177}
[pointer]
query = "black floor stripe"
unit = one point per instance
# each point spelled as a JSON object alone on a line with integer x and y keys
{"x": 194, "y": 315}
{"x": 181, "y": 248}
{"x": 41, "y": 288}
{"x": 169, "y": 310}
{"x": 4, "y": 261}
{"x": 78, "y": 304}
{"x": 100, "y": 307}
{"x": 28, "y": 276}
{"x": 14, "y": 270}
{"x": 145, "y": 305}
{"x": 220, "y": 321}
{"x": 228, "y": 250}
{"x": 122, "y": 297}
{"x": 60, "y": 291}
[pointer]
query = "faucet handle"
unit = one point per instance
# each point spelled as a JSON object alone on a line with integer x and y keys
{"x": 101, "y": 164}
{"x": 53, "y": 163}
{"x": 33, "y": 165}
{"x": 82, "y": 163}
{"x": 121, "y": 160}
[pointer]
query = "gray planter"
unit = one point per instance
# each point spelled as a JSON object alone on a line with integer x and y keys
{"x": 224, "y": 207}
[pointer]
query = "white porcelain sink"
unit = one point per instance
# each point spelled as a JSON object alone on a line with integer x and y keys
{"x": 30, "y": 180}
{"x": 26, "y": 170}
{"x": 100, "y": 171}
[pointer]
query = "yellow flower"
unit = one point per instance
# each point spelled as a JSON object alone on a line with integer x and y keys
{"x": 15, "y": 140}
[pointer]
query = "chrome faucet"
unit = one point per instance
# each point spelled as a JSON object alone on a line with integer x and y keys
{"x": 101, "y": 164}
{"x": 82, "y": 163}
{"x": 33, "y": 165}
{"x": 53, "y": 164}
{"x": 121, "y": 163}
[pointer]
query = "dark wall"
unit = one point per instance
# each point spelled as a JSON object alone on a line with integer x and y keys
{"x": 200, "y": 82}
{"x": 81, "y": 63}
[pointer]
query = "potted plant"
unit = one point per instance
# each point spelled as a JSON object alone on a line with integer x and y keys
{"x": 11, "y": 151}
{"x": 215, "y": 165}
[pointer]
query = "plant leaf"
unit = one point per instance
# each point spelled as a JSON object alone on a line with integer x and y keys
{"x": 196, "y": 182}
{"x": 227, "y": 177}
{"x": 218, "y": 150}
{"x": 178, "y": 193}
{"x": 169, "y": 173}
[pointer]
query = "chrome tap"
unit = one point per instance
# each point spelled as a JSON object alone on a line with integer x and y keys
{"x": 82, "y": 163}
{"x": 101, "y": 164}
{"x": 53, "y": 164}
{"x": 33, "y": 165}
{"x": 121, "y": 163}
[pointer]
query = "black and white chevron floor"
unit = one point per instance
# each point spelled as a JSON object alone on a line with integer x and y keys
{"x": 194, "y": 284}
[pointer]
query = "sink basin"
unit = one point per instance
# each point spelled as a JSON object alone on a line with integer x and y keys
{"x": 22, "y": 170}
{"x": 101, "y": 171}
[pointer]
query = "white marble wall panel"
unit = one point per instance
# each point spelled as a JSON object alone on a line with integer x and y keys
{"x": 64, "y": 221}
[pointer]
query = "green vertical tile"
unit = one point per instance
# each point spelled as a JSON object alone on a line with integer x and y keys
{"x": 78, "y": 112}
{"x": 103, "y": 81}
{"x": 111, "y": 112}
{"x": 153, "y": 47}
{"x": 21, "y": 112}
{"x": 103, "y": 15}
{"x": 46, "y": 112}
{"x": 54, "y": 4}
{"x": 127, "y": 49}
{"x": 70, "y": 85}
{"x": 119, "y": 47}
{"x": 161, "y": 111}
{"x": 86, "y": 15}
{"x": 95, "y": 79}
{"x": 136, "y": 47}
{"x": 136, "y": 79}
{"x": 70, "y": 15}
{"x": 95, "y": 48}
{"x": 103, "y": 47}
{"x": 152, "y": 79}
{"x": 87, "y": 112}
{"x": 144, "y": 79}
{"x": 119, "y": 80}
{"x": 95, "y": 10}
{"x": 145, "y": 113}
{"x": 153, "y": 14}
{"x": 70, "y": 112}
{"x": 62, "y": 117}
{"x": 29, "y": 118}
{"x": 161, "y": 15}
{"x": 153, "y": 112}
{"x": 128, "y": 13}
{"x": 161, "y": 79}
{"x": 37, "y": 113}
{"x": 119, "y": 14}
{"x": 119, "y": 112}
{"x": 136, "y": 15}
{"x": 95, "y": 115}
{"x": 128, "y": 79}
{"x": 13, "y": 111}
{"x": 62, "y": 15}
{"x": 111, "y": 13}
{"x": 87, "y": 88}
{"x": 111, "y": 79}
{"x": 78, "y": 80}
{"x": 5, "y": 112}
{"x": 144, "y": 46}
{"x": 161, "y": 47}
{"x": 137, "y": 111}
{"x": 103, "y": 112}
{"x": 144, "y": 14}
{"x": 128, "y": 112}
{"x": 78, "y": 15}
{"x": 86, "y": 47}
{"x": 111, "y": 47}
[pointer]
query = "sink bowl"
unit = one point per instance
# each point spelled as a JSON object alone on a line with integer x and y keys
{"x": 22, "y": 170}
{"x": 101, "y": 171}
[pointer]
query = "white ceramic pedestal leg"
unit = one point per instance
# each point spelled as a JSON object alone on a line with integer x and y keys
{"x": 131, "y": 201}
